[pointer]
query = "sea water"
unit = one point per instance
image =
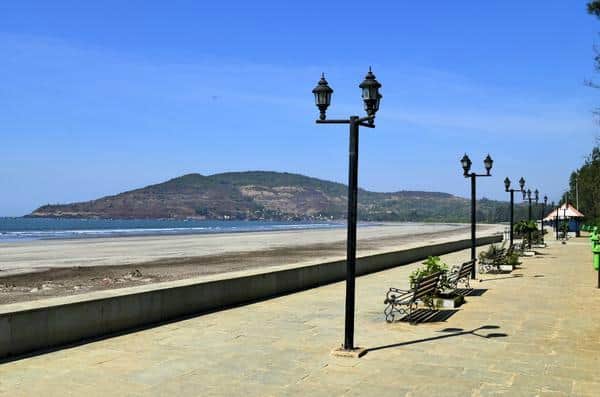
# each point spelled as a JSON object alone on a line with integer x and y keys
{"x": 24, "y": 229}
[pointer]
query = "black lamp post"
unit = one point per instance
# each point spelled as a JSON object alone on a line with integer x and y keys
{"x": 544, "y": 203}
{"x": 556, "y": 221}
{"x": 512, "y": 203}
{"x": 466, "y": 165}
{"x": 537, "y": 199}
{"x": 371, "y": 98}
{"x": 566, "y": 232}
{"x": 527, "y": 196}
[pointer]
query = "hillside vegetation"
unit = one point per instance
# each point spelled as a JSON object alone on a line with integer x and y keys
{"x": 262, "y": 195}
{"x": 585, "y": 184}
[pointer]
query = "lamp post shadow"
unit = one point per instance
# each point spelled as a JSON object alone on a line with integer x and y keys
{"x": 451, "y": 332}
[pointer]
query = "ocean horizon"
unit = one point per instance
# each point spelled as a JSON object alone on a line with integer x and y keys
{"x": 14, "y": 229}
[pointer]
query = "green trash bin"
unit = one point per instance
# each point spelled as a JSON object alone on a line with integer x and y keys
{"x": 596, "y": 253}
{"x": 595, "y": 239}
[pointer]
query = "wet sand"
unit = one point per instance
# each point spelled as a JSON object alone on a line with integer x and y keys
{"x": 42, "y": 269}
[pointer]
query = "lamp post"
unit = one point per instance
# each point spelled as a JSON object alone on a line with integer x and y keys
{"x": 466, "y": 165}
{"x": 512, "y": 202}
{"x": 371, "y": 98}
{"x": 527, "y": 196}
{"x": 565, "y": 215}
{"x": 556, "y": 221}
{"x": 544, "y": 203}
{"x": 537, "y": 198}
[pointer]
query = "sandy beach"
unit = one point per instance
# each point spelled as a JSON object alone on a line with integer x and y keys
{"x": 47, "y": 268}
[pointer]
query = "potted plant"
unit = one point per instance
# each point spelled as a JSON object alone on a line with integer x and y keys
{"x": 496, "y": 257}
{"x": 444, "y": 295}
{"x": 512, "y": 260}
{"x": 525, "y": 230}
{"x": 564, "y": 229}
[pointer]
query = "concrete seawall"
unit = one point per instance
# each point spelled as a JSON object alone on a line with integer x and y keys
{"x": 27, "y": 327}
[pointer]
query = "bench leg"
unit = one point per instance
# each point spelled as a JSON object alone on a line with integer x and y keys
{"x": 395, "y": 311}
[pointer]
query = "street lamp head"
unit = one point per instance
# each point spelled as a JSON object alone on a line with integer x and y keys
{"x": 488, "y": 162}
{"x": 529, "y": 194}
{"x": 545, "y": 200}
{"x": 370, "y": 93}
{"x": 379, "y": 96}
{"x": 507, "y": 184}
{"x": 522, "y": 183}
{"x": 466, "y": 164}
{"x": 322, "y": 94}
{"x": 537, "y": 195}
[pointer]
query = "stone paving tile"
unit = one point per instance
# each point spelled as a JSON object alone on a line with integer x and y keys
{"x": 544, "y": 342}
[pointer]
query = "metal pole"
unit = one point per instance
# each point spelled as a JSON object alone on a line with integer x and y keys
{"x": 542, "y": 221}
{"x": 556, "y": 223}
{"x": 565, "y": 215}
{"x": 473, "y": 222}
{"x": 351, "y": 244}
{"x": 529, "y": 219}
{"x": 512, "y": 214}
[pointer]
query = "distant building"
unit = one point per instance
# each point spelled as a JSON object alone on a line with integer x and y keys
{"x": 568, "y": 212}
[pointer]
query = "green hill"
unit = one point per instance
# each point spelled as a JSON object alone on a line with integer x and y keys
{"x": 256, "y": 195}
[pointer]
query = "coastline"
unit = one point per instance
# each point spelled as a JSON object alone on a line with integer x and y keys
{"x": 83, "y": 228}
{"x": 48, "y": 268}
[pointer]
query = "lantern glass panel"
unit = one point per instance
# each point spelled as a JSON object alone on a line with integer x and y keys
{"x": 488, "y": 162}
{"x": 366, "y": 93}
{"x": 466, "y": 163}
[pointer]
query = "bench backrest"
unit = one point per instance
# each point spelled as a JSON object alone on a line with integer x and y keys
{"x": 465, "y": 269}
{"x": 426, "y": 286}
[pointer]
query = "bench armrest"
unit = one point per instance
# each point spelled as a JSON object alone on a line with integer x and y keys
{"x": 401, "y": 295}
{"x": 404, "y": 291}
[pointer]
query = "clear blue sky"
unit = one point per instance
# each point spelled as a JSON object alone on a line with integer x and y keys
{"x": 97, "y": 97}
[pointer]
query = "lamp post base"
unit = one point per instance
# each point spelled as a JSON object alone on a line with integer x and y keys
{"x": 357, "y": 352}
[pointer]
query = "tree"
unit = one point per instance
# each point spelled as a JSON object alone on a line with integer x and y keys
{"x": 593, "y": 7}
{"x": 586, "y": 181}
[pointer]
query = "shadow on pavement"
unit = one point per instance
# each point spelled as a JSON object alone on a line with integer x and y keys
{"x": 451, "y": 332}
{"x": 428, "y": 316}
{"x": 501, "y": 278}
{"x": 471, "y": 292}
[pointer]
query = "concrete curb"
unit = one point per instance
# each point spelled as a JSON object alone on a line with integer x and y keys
{"x": 77, "y": 318}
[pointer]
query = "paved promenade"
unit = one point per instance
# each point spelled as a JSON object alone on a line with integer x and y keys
{"x": 533, "y": 332}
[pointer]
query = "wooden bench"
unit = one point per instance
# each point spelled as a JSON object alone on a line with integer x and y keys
{"x": 403, "y": 302}
{"x": 487, "y": 265}
{"x": 461, "y": 274}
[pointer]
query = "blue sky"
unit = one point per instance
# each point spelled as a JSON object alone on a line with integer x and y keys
{"x": 101, "y": 97}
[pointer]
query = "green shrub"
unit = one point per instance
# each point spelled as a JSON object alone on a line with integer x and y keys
{"x": 432, "y": 265}
{"x": 512, "y": 259}
{"x": 493, "y": 251}
{"x": 524, "y": 228}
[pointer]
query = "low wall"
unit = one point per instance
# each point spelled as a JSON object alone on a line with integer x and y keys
{"x": 56, "y": 322}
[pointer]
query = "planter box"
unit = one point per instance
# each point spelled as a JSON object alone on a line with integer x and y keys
{"x": 448, "y": 301}
{"x": 506, "y": 268}
{"x": 539, "y": 246}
